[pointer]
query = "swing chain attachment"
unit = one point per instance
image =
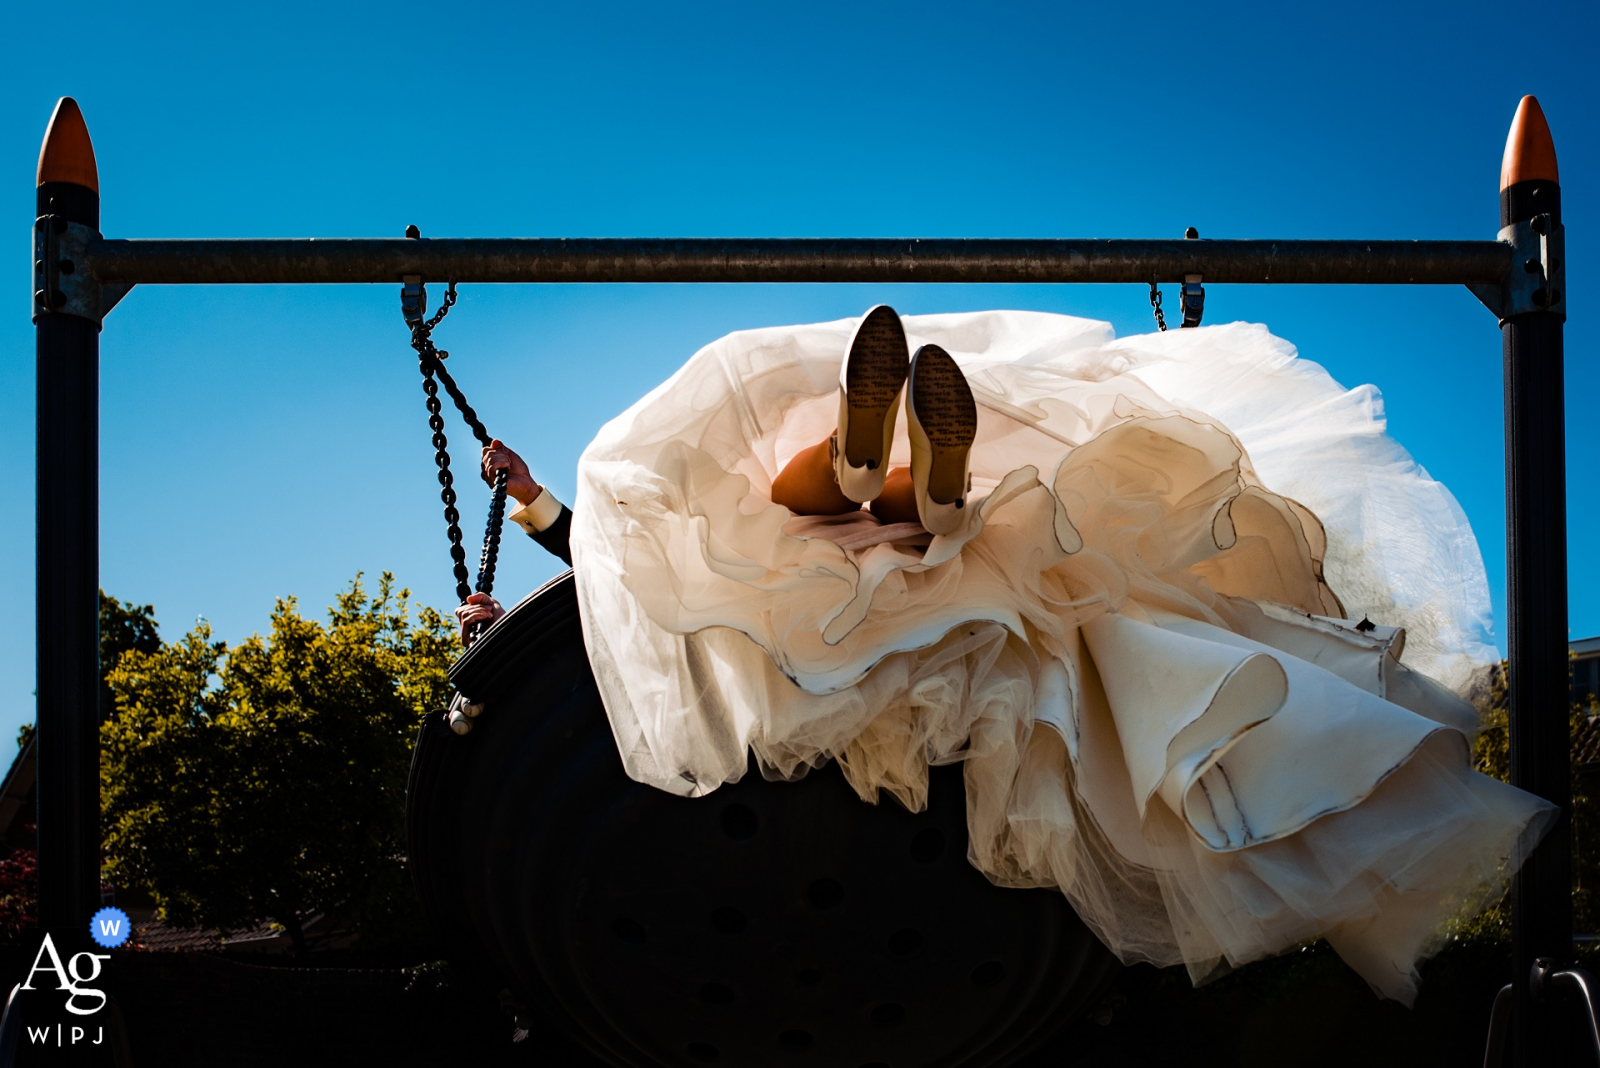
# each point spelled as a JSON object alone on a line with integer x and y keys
{"x": 1155, "y": 306}
{"x": 1192, "y": 297}
{"x": 414, "y": 307}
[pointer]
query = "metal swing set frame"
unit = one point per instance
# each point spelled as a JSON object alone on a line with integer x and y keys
{"x": 79, "y": 275}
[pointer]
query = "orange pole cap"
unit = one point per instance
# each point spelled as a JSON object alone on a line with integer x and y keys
{"x": 67, "y": 154}
{"x": 1530, "y": 150}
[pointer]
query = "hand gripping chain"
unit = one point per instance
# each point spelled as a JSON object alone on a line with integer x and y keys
{"x": 413, "y": 304}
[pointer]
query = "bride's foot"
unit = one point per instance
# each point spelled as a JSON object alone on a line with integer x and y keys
{"x": 943, "y": 421}
{"x": 870, "y": 384}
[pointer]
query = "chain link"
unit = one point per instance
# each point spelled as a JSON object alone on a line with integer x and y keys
{"x": 431, "y": 361}
{"x": 1155, "y": 306}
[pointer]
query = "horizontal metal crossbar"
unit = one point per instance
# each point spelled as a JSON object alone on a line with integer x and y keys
{"x": 882, "y": 260}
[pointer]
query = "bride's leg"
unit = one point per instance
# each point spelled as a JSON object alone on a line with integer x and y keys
{"x": 807, "y": 486}
{"x": 898, "y": 501}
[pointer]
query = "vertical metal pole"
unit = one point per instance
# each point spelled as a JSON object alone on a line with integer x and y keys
{"x": 1536, "y": 596}
{"x": 68, "y": 532}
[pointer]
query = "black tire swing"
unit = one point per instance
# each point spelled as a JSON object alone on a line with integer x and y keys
{"x": 768, "y": 924}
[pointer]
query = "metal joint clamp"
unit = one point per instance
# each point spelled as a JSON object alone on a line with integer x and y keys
{"x": 63, "y": 284}
{"x": 1537, "y": 281}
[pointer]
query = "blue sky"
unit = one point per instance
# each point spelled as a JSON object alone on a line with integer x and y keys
{"x": 260, "y": 441}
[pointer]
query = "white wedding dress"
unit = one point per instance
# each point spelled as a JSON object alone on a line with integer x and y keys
{"x": 1143, "y": 645}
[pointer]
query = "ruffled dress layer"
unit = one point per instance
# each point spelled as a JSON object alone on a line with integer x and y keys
{"x": 1134, "y": 644}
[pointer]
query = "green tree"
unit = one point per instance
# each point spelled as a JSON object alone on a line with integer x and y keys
{"x": 123, "y": 626}
{"x": 268, "y": 781}
{"x": 1493, "y": 757}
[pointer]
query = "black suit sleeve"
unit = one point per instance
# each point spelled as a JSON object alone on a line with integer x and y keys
{"x": 557, "y": 537}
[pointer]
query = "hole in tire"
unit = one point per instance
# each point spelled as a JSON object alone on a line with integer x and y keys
{"x": 796, "y": 1041}
{"x": 927, "y": 845}
{"x": 629, "y": 930}
{"x": 988, "y": 973}
{"x": 824, "y": 894}
{"x": 905, "y": 942}
{"x": 703, "y": 1051}
{"x": 739, "y": 823}
{"x": 729, "y": 920}
{"x": 889, "y": 1014}
{"x": 716, "y": 994}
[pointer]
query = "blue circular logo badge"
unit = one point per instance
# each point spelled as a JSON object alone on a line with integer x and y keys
{"x": 110, "y": 927}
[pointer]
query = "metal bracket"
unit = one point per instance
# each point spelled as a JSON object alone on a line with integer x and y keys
{"x": 1544, "y": 980}
{"x": 1494, "y": 1051}
{"x": 1192, "y": 299}
{"x": 413, "y": 299}
{"x": 1537, "y": 281}
{"x": 62, "y": 281}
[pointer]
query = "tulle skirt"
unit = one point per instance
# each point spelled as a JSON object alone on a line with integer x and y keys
{"x": 1166, "y": 644}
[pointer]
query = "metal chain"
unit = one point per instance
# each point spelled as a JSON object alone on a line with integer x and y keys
{"x": 1155, "y": 306}
{"x": 431, "y": 361}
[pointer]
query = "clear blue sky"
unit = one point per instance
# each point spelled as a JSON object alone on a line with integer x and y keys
{"x": 270, "y": 440}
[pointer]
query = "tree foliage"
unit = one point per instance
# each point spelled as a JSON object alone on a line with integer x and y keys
{"x": 124, "y": 627}
{"x": 268, "y": 780}
{"x": 1493, "y": 758}
{"x": 19, "y": 893}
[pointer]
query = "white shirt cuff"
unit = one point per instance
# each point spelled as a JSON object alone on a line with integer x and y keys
{"x": 537, "y": 515}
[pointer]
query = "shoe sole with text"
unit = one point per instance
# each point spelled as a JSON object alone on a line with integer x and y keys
{"x": 870, "y": 385}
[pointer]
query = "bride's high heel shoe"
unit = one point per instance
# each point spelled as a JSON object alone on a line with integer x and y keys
{"x": 870, "y": 385}
{"x": 942, "y": 419}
